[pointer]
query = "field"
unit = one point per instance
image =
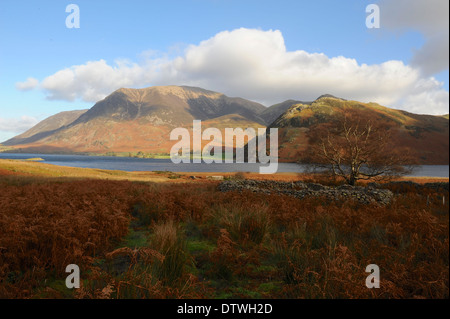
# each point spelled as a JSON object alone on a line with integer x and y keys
{"x": 168, "y": 235}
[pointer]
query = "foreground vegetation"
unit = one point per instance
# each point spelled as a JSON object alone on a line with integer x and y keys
{"x": 188, "y": 240}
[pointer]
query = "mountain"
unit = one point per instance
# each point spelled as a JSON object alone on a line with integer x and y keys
{"x": 132, "y": 120}
{"x": 425, "y": 135}
{"x": 271, "y": 113}
{"x": 140, "y": 120}
{"x": 171, "y": 105}
{"x": 46, "y": 127}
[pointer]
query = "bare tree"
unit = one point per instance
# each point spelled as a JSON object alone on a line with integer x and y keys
{"x": 356, "y": 147}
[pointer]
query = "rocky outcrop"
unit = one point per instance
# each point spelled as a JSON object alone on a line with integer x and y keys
{"x": 364, "y": 195}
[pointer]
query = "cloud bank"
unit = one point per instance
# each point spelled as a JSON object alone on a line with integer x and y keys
{"x": 431, "y": 19}
{"x": 17, "y": 125}
{"x": 256, "y": 65}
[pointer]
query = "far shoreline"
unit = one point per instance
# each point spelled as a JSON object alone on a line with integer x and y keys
{"x": 23, "y": 168}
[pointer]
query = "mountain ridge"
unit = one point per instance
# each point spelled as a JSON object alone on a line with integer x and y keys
{"x": 132, "y": 120}
{"x": 141, "y": 120}
{"x": 426, "y": 135}
{"x": 46, "y": 127}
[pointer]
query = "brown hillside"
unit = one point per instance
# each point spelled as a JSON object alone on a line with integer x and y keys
{"x": 133, "y": 120}
{"x": 425, "y": 135}
{"x": 46, "y": 127}
{"x": 140, "y": 120}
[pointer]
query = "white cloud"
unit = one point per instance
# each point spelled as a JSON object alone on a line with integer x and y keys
{"x": 27, "y": 85}
{"x": 255, "y": 64}
{"x": 92, "y": 81}
{"x": 431, "y": 18}
{"x": 428, "y": 98}
{"x": 17, "y": 125}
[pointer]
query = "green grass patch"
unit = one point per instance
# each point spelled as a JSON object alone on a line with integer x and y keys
{"x": 135, "y": 239}
{"x": 199, "y": 246}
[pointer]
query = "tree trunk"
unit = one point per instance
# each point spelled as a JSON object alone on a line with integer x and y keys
{"x": 352, "y": 180}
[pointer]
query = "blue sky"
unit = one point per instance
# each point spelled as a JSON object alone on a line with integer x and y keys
{"x": 144, "y": 43}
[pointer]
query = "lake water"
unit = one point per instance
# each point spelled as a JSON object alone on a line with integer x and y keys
{"x": 148, "y": 164}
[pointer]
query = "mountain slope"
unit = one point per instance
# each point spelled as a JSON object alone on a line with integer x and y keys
{"x": 425, "y": 135}
{"x": 131, "y": 120}
{"x": 171, "y": 105}
{"x": 46, "y": 127}
{"x": 271, "y": 113}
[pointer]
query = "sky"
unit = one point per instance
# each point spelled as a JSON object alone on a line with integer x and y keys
{"x": 265, "y": 51}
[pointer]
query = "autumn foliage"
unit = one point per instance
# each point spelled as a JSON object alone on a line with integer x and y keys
{"x": 143, "y": 240}
{"x": 354, "y": 146}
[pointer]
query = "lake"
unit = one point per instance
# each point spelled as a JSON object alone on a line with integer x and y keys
{"x": 149, "y": 164}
